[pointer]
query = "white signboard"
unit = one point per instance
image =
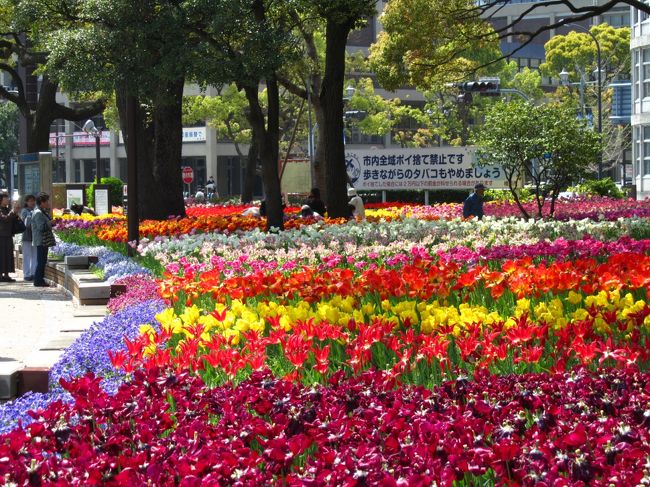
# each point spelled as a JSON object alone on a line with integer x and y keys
{"x": 419, "y": 169}
{"x": 79, "y": 139}
{"x": 194, "y": 134}
{"x": 296, "y": 177}
{"x": 190, "y": 134}
{"x": 74, "y": 197}
{"x": 101, "y": 202}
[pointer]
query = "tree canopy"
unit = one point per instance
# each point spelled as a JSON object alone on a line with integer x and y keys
{"x": 427, "y": 43}
{"x": 577, "y": 52}
{"x": 546, "y": 145}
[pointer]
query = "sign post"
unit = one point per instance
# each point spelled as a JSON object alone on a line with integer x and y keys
{"x": 188, "y": 176}
{"x": 125, "y": 199}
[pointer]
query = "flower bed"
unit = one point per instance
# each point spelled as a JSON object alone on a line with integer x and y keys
{"x": 112, "y": 264}
{"x": 568, "y": 429}
{"x": 228, "y": 219}
{"x": 408, "y": 351}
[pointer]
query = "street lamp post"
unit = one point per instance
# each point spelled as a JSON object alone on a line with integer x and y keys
{"x": 349, "y": 92}
{"x": 600, "y": 88}
{"x": 90, "y": 129}
{"x": 133, "y": 216}
{"x": 564, "y": 79}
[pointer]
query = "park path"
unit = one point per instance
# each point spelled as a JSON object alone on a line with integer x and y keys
{"x": 38, "y": 324}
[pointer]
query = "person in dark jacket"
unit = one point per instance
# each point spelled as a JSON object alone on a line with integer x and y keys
{"x": 314, "y": 202}
{"x": 29, "y": 251}
{"x": 8, "y": 217}
{"x": 473, "y": 205}
{"x": 42, "y": 237}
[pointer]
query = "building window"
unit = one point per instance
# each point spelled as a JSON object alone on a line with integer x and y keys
{"x": 635, "y": 82}
{"x": 637, "y": 151}
{"x": 77, "y": 171}
{"x": 124, "y": 169}
{"x": 646, "y": 150}
{"x": 618, "y": 20}
{"x": 90, "y": 166}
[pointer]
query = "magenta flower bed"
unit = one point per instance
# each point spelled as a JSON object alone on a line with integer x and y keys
{"x": 564, "y": 429}
{"x": 139, "y": 288}
{"x": 578, "y": 208}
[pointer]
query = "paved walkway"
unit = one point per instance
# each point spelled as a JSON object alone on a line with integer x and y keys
{"x": 38, "y": 324}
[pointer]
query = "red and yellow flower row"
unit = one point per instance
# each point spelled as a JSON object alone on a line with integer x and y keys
{"x": 405, "y": 336}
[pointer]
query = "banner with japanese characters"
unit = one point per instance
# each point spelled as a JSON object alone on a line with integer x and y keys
{"x": 435, "y": 168}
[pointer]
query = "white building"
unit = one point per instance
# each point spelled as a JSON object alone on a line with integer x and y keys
{"x": 640, "y": 45}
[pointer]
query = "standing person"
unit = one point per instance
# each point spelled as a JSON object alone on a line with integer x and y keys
{"x": 29, "y": 251}
{"x": 8, "y": 221}
{"x": 356, "y": 202}
{"x": 314, "y": 202}
{"x": 210, "y": 188}
{"x": 473, "y": 205}
{"x": 42, "y": 237}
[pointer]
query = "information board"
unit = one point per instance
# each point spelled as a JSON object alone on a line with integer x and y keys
{"x": 296, "y": 177}
{"x": 31, "y": 176}
{"x": 420, "y": 169}
{"x": 74, "y": 196}
{"x": 102, "y": 202}
{"x": 35, "y": 173}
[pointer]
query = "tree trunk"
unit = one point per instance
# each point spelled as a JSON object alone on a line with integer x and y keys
{"x": 267, "y": 136}
{"x": 331, "y": 99}
{"x": 167, "y": 181}
{"x": 251, "y": 171}
{"x": 159, "y": 133}
{"x": 38, "y": 135}
{"x": 320, "y": 153}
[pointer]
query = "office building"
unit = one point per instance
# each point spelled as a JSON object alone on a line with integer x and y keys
{"x": 640, "y": 47}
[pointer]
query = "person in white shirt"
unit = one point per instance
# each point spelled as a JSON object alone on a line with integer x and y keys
{"x": 356, "y": 202}
{"x": 210, "y": 188}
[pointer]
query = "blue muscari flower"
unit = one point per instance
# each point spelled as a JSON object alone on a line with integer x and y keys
{"x": 89, "y": 353}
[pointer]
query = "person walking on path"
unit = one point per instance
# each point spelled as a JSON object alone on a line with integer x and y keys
{"x": 473, "y": 205}
{"x": 42, "y": 237}
{"x": 9, "y": 220}
{"x": 29, "y": 251}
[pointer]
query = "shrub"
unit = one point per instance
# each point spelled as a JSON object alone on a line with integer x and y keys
{"x": 506, "y": 195}
{"x": 114, "y": 191}
{"x": 600, "y": 187}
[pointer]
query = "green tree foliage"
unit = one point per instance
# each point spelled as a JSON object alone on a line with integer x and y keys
{"x": 449, "y": 120}
{"x": 225, "y": 112}
{"x": 427, "y": 43}
{"x": 378, "y": 115}
{"x": 135, "y": 49}
{"x": 528, "y": 81}
{"x": 20, "y": 61}
{"x": 544, "y": 144}
{"x": 577, "y": 53}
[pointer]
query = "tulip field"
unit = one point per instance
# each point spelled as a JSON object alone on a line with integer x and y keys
{"x": 414, "y": 349}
